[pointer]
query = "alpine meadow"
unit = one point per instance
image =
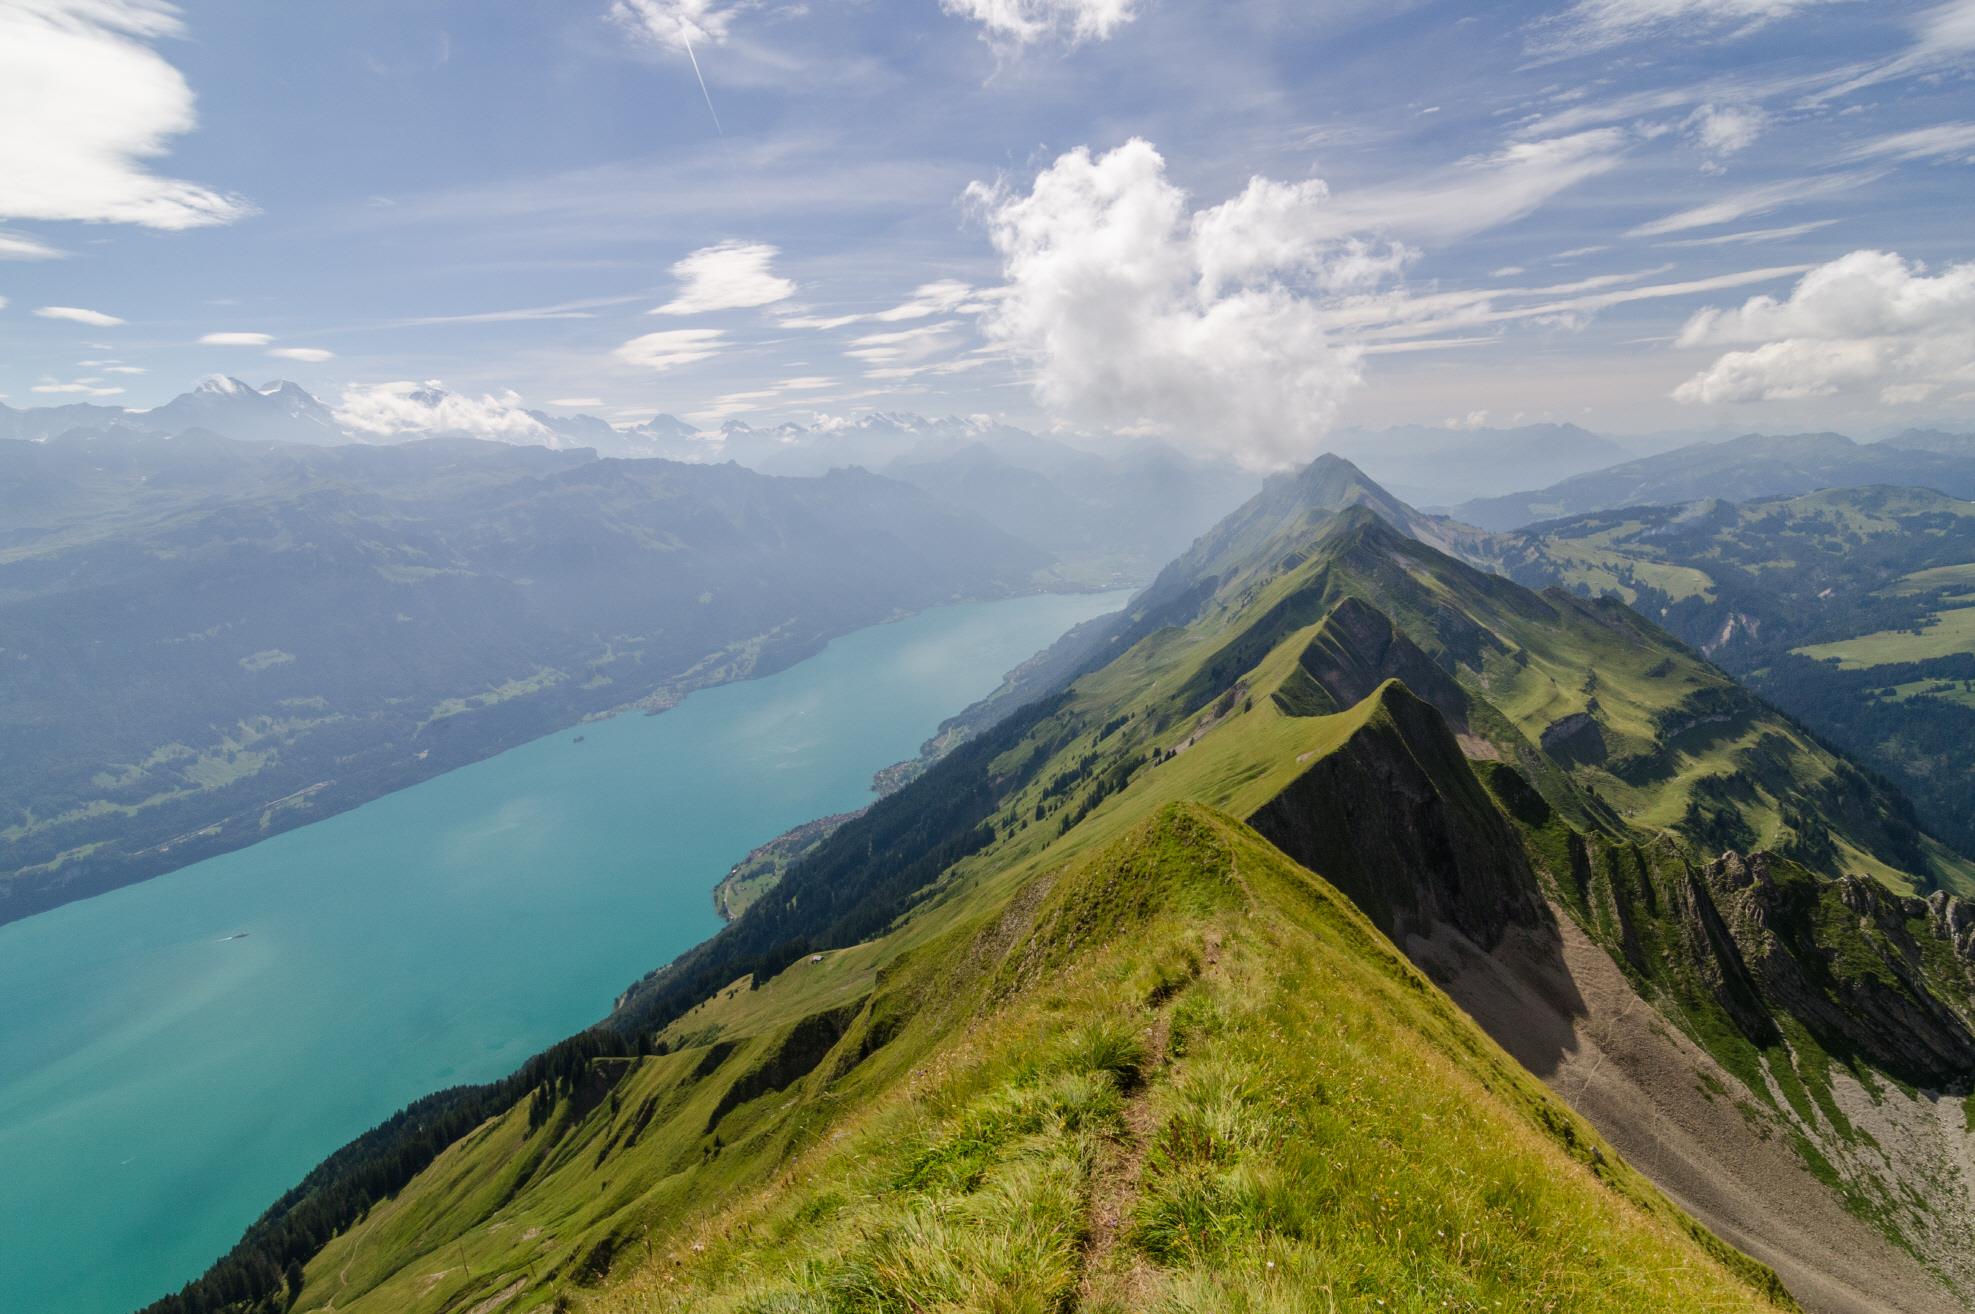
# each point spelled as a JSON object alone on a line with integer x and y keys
{"x": 987, "y": 657}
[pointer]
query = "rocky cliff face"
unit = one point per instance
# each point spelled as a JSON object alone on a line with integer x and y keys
{"x": 1861, "y": 967}
{"x": 1396, "y": 819}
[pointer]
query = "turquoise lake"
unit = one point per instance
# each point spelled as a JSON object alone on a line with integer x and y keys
{"x": 161, "y": 1083}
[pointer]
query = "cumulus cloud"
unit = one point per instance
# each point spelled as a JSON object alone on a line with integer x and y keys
{"x": 670, "y": 349}
{"x": 1591, "y": 25}
{"x": 307, "y": 355}
{"x": 19, "y": 246}
{"x": 1867, "y": 321}
{"x": 729, "y": 276}
{"x": 395, "y": 410}
{"x": 93, "y": 318}
{"x": 236, "y": 339}
{"x": 1023, "y": 21}
{"x": 84, "y": 102}
{"x": 1136, "y": 312}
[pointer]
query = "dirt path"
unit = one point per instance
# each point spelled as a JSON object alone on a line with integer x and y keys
{"x": 1114, "y": 1184}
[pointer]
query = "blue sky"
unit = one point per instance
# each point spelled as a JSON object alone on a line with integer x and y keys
{"x": 1236, "y": 224}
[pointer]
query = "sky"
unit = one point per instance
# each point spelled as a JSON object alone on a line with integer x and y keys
{"x": 1235, "y": 225}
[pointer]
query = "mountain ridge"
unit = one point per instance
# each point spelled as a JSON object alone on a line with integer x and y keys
{"x": 1074, "y": 843}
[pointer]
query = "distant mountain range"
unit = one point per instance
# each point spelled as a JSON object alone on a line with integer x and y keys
{"x": 1107, "y": 517}
{"x": 1752, "y": 466}
{"x": 203, "y": 640}
{"x": 1438, "y": 467}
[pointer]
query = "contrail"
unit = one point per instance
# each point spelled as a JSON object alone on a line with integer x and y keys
{"x": 687, "y": 41}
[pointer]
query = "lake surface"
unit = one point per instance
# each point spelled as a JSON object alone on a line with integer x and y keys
{"x": 161, "y": 1081}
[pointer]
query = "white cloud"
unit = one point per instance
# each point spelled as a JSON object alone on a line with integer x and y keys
{"x": 389, "y": 410}
{"x": 307, "y": 355}
{"x": 671, "y": 349}
{"x": 938, "y": 298}
{"x": 94, "y": 318}
{"x": 729, "y": 276}
{"x": 904, "y": 345}
{"x": 1942, "y": 140}
{"x": 1023, "y": 21}
{"x": 1724, "y": 130}
{"x": 1942, "y": 38}
{"x": 576, "y": 401}
{"x": 1753, "y": 201}
{"x": 678, "y": 24}
{"x": 1387, "y": 320}
{"x": 1477, "y": 194}
{"x": 80, "y": 387}
{"x": 1748, "y": 236}
{"x": 19, "y": 246}
{"x": 1597, "y": 24}
{"x": 1137, "y": 313}
{"x": 84, "y": 101}
{"x": 1865, "y": 321}
{"x": 236, "y": 339}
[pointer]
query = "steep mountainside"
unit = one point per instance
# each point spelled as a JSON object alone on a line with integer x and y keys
{"x": 1757, "y": 465}
{"x": 1111, "y": 1009}
{"x": 203, "y": 641}
{"x": 1852, "y": 609}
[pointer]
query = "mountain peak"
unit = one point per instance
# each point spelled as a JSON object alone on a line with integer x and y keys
{"x": 223, "y": 385}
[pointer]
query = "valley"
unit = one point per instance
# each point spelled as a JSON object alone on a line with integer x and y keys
{"x": 1021, "y": 1030}
{"x": 162, "y": 1079}
{"x": 204, "y": 641}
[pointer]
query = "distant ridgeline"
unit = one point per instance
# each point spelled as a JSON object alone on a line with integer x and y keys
{"x": 204, "y": 641}
{"x": 1852, "y": 609}
{"x": 1176, "y": 988}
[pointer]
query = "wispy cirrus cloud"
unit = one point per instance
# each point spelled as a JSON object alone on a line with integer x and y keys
{"x": 19, "y": 246}
{"x": 1592, "y": 25}
{"x": 1940, "y": 141}
{"x": 1752, "y": 201}
{"x": 1750, "y": 236}
{"x": 79, "y": 315}
{"x": 942, "y": 297}
{"x": 235, "y": 339}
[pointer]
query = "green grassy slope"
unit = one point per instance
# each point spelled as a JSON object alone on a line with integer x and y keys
{"x": 1054, "y": 1027}
{"x": 1182, "y": 1073}
{"x": 1848, "y": 608}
